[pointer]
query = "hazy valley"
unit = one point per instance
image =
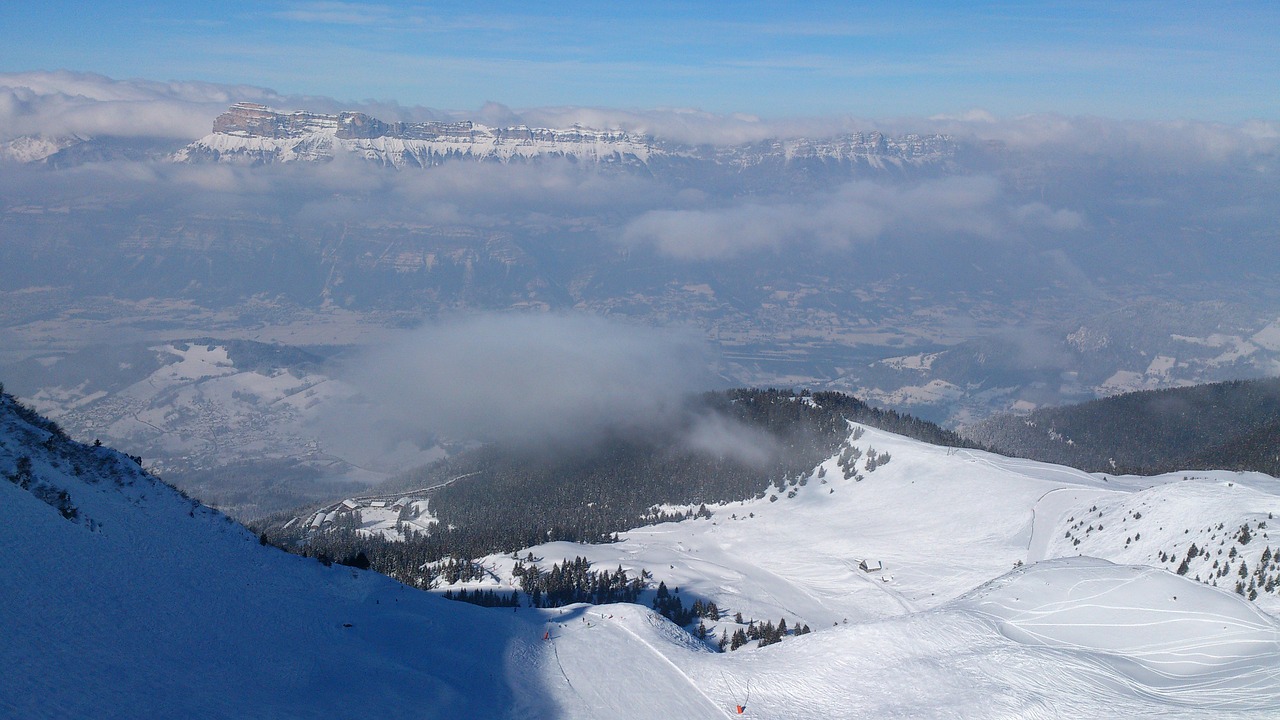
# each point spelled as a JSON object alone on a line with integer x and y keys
{"x": 951, "y": 274}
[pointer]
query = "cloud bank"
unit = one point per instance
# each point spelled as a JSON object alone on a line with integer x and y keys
{"x": 858, "y": 212}
{"x": 532, "y": 379}
{"x": 53, "y": 103}
{"x": 1085, "y": 195}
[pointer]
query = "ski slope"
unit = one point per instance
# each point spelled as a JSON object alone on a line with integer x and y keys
{"x": 143, "y": 603}
{"x": 943, "y": 522}
{"x": 1074, "y": 637}
{"x": 1186, "y": 648}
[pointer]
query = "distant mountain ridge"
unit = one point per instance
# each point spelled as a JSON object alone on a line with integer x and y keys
{"x": 253, "y": 120}
{"x": 1231, "y": 425}
{"x": 253, "y": 134}
{"x": 249, "y": 133}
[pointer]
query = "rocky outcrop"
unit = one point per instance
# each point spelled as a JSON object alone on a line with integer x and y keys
{"x": 251, "y": 120}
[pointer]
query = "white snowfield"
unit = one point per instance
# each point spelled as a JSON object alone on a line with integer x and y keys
{"x": 148, "y": 605}
{"x": 941, "y": 520}
{"x": 1134, "y": 623}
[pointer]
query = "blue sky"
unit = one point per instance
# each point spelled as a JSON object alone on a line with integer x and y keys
{"x": 1151, "y": 60}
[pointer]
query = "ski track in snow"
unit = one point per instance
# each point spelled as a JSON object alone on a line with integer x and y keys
{"x": 589, "y": 656}
{"x": 1175, "y": 655}
{"x": 1048, "y": 512}
{"x": 715, "y": 707}
{"x": 1193, "y": 660}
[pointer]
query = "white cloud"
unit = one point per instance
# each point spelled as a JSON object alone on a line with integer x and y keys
{"x": 1040, "y": 215}
{"x": 721, "y": 436}
{"x": 854, "y": 213}
{"x": 532, "y": 378}
{"x": 67, "y": 103}
{"x": 334, "y": 13}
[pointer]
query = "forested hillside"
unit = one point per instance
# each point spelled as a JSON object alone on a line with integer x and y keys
{"x": 1228, "y": 426}
{"x": 725, "y": 446}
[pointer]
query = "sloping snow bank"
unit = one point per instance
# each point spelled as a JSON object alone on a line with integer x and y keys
{"x": 1149, "y": 629}
{"x": 146, "y": 604}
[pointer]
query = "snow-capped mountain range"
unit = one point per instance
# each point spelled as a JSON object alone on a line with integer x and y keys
{"x": 251, "y": 134}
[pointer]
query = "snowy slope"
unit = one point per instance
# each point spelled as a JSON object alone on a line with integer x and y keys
{"x": 1069, "y": 638}
{"x": 136, "y": 602}
{"x": 149, "y": 605}
{"x": 979, "y": 656}
{"x": 1183, "y": 648}
{"x": 196, "y": 408}
{"x": 1222, "y": 515}
{"x": 943, "y": 522}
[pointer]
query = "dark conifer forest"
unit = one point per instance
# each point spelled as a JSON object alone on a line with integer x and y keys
{"x": 1225, "y": 426}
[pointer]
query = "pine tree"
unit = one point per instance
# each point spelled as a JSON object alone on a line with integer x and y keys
{"x": 768, "y": 634}
{"x": 21, "y": 475}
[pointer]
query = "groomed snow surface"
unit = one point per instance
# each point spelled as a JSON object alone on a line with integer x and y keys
{"x": 147, "y": 605}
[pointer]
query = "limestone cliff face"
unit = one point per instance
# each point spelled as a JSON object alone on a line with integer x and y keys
{"x": 250, "y": 120}
{"x": 255, "y": 134}
{"x": 252, "y": 134}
